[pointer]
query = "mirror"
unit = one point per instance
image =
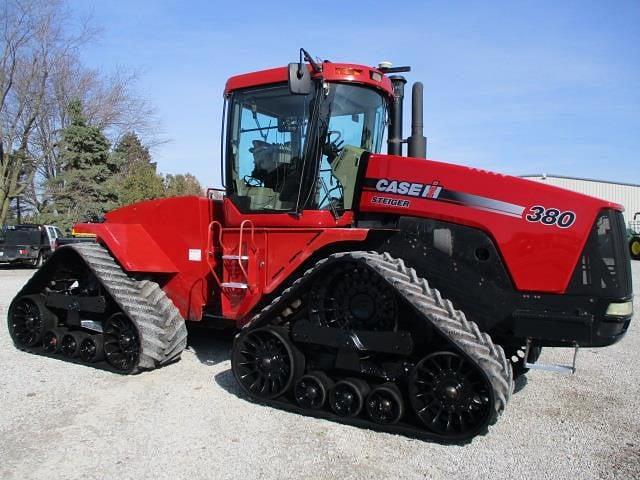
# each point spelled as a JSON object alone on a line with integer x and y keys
{"x": 299, "y": 79}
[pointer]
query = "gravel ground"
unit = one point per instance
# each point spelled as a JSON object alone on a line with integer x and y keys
{"x": 188, "y": 421}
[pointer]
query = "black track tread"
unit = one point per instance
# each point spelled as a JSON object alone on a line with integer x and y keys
{"x": 439, "y": 312}
{"x": 162, "y": 330}
{"x": 451, "y": 322}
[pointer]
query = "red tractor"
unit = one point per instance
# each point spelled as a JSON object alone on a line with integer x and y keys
{"x": 390, "y": 292}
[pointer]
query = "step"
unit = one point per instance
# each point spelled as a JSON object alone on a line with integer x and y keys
{"x": 552, "y": 367}
{"x": 238, "y": 285}
{"x": 235, "y": 257}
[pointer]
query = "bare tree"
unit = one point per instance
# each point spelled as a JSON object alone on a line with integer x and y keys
{"x": 40, "y": 74}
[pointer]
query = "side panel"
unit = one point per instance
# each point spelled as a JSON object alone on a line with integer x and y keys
{"x": 166, "y": 238}
{"x": 275, "y": 254}
{"x": 539, "y": 250}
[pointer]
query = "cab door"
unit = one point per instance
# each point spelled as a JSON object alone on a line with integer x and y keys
{"x": 283, "y": 201}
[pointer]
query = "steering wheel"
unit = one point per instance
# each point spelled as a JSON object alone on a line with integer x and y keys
{"x": 338, "y": 134}
{"x": 333, "y": 147}
{"x": 252, "y": 181}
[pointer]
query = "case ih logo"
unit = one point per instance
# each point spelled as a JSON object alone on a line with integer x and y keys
{"x": 435, "y": 191}
{"x": 419, "y": 190}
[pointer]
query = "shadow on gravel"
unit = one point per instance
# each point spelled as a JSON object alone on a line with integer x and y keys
{"x": 210, "y": 346}
{"x": 227, "y": 382}
{"x": 520, "y": 383}
{"x": 16, "y": 266}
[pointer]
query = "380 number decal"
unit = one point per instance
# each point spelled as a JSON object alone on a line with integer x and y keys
{"x": 550, "y": 216}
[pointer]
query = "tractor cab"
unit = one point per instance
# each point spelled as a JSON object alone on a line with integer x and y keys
{"x": 288, "y": 151}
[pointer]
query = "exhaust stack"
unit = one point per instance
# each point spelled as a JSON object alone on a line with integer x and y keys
{"x": 417, "y": 141}
{"x": 395, "y": 140}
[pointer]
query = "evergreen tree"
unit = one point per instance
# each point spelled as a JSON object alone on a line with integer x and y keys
{"x": 87, "y": 186}
{"x": 132, "y": 152}
{"x": 139, "y": 179}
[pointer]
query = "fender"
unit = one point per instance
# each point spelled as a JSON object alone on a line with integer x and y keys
{"x": 131, "y": 245}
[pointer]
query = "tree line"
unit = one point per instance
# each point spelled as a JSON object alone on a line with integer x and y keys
{"x": 74, "y": 142}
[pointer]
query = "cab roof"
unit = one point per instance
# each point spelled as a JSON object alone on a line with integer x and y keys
{"x": 332, "y": 72}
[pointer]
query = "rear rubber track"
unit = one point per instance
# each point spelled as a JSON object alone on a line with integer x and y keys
{"x": 161, "y": 328}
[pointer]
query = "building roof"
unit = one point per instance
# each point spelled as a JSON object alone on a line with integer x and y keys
{"x": 596, "y": 180}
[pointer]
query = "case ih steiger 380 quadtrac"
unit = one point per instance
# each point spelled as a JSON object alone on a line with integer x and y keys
{"x": 391, "y": 292}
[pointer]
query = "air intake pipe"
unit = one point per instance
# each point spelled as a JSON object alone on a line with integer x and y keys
{"x": 417, "y": 141}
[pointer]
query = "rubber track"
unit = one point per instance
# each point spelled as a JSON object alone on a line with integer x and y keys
{"x": 161, "y": 328}
{"x": 437, "y": 311}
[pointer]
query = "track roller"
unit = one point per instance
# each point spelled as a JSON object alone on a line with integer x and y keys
{"x": 28, "y": 319}
{"x": 312, "y": 390}
{"x": 265, "y": 362}
{"x": 384, "y": 404}
{"x": 347, "y": 396}
{"x": 92, "y": 349}
{"x": 71, "y": 341}
{"x": 52, "y": 340}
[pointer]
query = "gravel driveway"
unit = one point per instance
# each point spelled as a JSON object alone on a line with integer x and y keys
{"x": 189, "y": 421}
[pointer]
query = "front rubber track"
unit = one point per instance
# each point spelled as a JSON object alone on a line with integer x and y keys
{"x": 463, "y": 335}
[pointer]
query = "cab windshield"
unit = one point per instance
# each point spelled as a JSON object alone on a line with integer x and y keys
{"x": 291, "y": 152}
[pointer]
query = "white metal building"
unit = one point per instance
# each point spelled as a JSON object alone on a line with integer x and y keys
{"x": 626, "y": 194}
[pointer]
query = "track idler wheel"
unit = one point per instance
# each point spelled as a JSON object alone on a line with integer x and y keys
{"x": 312, "y": 390}
{"x": 385, "y": 405}
{"x": 70, "y": 347}
{"x": 52, "y": 340}
{"x": 121, "y": 343}
{"x": 347, "y": 396}
{"x": 92, "y": 349}
{"x": 265, "y": 362}
{"x": 449, "y": 395}
{"x": 28, "y": 319}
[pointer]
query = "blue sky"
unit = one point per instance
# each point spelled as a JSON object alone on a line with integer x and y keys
{"x": 516, "y": 87}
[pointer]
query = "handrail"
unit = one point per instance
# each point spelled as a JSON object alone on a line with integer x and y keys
{"x": 210, "y": 251}
{"x": 244, "y": 271}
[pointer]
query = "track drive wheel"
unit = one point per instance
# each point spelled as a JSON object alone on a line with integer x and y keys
{"x": 121, "y": 343}
{"x": 312, "y": 390}
{"x": 353, "y": 298}
{"x": 384, "y": 404}
{"x": 265, "y": 362}
{"x": 449, "y": 395}
{"x": 28, "y": 319}
{"x": 347, "y": 396}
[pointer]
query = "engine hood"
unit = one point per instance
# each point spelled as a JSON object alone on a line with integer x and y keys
{"x": 540, "y": 230}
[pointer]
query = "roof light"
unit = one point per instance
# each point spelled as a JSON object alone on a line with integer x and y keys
{"x": 348, "y": 71}
{"x": 375, "y": 76}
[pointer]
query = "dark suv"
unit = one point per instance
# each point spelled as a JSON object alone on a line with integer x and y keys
{"x": 28, "y": 244}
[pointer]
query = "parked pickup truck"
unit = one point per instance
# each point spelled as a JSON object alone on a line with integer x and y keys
{"x": 28, "y": 244}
